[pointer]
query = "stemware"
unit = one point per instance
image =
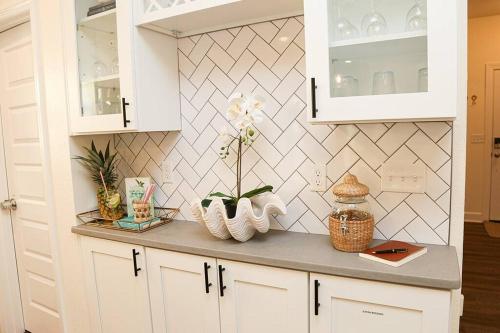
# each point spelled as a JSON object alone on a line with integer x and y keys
{"x": 115, "y": 66}
{"x": 384, "y": 83}
{"x": 416, "y": 19}
{"x": 343, "y": 28}
{"x": 100, "y": 69}
{"x": 374, "y": 23}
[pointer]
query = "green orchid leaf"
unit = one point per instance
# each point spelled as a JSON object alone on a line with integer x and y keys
{"x": 257, "y": 191}
{"x": 221, "y": 195}
{"x": 205, "y": 203}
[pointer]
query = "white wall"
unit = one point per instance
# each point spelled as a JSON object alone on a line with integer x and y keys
{"x": 484, "y": 47}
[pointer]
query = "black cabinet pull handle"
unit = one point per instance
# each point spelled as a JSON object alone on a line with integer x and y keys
{"x": 221, "y": 281}
{"x": 316, "y": 297}
{"x": 134, "y": 256}
{"x": 207, "y": 284}
{"x": 124, "y": 112}
{"x": 313, "y": 97}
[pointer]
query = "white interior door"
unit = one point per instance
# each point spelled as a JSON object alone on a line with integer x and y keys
{"x": 495, "y": 158}
{"x": 27, "y": 182}
{"x": 11, "y": 318}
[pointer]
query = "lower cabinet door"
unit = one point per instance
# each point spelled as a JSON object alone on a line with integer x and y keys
{"x": 117, "y": 286}
{"x": 183, "y": 292}
{"x": 262, "y": 299}
{"x": 343, "y": 305}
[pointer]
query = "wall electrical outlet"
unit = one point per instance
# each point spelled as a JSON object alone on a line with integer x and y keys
{"x": 166, "y": 172}
{"x": 318, "y": 178}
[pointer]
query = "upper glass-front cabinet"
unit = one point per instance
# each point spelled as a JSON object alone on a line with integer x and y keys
{"x": 381, "y": 60}
{"x": 99, "y": 66}
{"x": 127, "y": 76}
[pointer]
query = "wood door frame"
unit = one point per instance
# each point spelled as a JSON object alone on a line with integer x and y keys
{"x": 13, "y": 319}
{"x": 488, "y": 137}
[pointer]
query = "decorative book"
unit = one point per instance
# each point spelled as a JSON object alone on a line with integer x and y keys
{"x": 394, "y": 259}
{"x": 128, "y": 223}
{"x": 136, "y": 188}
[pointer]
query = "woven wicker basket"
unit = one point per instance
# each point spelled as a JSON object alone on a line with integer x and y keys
{"x": 351, "y": 236}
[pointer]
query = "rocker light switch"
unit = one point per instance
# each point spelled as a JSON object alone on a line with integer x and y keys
{"x": 407, "y": 178}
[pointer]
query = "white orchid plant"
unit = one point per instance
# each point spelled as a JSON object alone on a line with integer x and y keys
{"x": 243, "y": 112}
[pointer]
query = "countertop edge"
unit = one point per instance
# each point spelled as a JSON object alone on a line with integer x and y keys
{"x": 396, "y": 277}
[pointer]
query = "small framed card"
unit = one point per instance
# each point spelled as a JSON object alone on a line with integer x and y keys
{"x": 136, "y": 187}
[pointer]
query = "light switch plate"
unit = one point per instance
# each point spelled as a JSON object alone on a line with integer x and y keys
{"x": 406, "y": 178}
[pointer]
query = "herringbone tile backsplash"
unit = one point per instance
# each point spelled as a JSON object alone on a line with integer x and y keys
{"x": 268, "y": 59}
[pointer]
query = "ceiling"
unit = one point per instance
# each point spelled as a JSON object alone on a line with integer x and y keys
{"x": 478, "y": 8}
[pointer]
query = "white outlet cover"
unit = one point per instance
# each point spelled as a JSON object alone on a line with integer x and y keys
{"x": 317, "y": 182}
{"x": 166, "y": 172}
{"x": 406, "y": 178}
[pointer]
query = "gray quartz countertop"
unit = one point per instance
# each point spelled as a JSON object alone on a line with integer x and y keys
{"x": 306, "y": 252}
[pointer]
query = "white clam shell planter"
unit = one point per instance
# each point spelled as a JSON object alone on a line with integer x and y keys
{"x": 251, "y": 215}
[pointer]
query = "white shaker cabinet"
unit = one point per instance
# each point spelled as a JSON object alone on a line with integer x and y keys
{"x": 183, "y": 292}
{"x": 381, "y": 60}
{"x": 262, "y": 299}
{"x": 117, "y": 286}
{"x": 343, "y": 305}
{"x": 121, "y": 78}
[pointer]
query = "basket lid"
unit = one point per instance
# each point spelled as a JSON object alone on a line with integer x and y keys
{"x": 351, "y": 187}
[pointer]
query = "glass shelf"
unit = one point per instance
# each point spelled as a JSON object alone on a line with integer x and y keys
{"x": 105, "y": 21}
{"x": 108, "y": 81}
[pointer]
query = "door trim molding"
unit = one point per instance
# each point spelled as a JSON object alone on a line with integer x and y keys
{"x": 488, "y": 137}
{"x": 15, "y": 15}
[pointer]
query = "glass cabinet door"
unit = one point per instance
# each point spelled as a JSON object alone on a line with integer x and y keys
{"x": 98, "y": 60}
{"x": 377, "y": 47}
{"x": 381, "y": 60}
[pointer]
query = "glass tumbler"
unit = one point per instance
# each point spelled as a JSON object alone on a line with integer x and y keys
{"x": 384, "y": 83}
{"x": 423, "y": 79}
{"x": 345, "y": 85}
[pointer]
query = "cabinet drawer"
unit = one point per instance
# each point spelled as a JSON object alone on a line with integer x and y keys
{"x": 349, "y": 305}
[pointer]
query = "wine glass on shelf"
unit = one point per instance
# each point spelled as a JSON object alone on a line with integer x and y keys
{"x": 100, "y": 69}
{"x": 343, "y": 28}
{"x": 416, "y": 19}
{"x": 115, "y": 66}
{"x": 373, "y": 23}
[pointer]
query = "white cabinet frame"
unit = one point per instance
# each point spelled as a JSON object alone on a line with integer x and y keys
{"x": 440, "y": 103}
